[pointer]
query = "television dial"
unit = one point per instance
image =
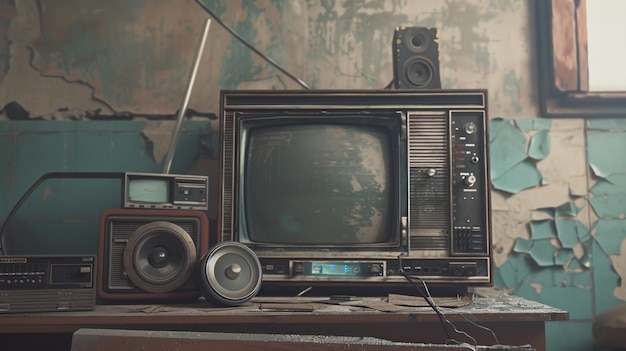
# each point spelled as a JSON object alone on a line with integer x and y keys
{"x": 470, "y": 128}
{"x": 470, "y": 180}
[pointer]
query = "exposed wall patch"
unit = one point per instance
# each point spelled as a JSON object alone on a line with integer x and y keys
{"x": 7, "y": 13}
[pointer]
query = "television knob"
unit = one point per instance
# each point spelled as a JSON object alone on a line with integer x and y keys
{"x": 470, "y": 128}
{"x": 470, "y": 180}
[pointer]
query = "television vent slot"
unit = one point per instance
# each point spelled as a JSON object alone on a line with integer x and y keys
{"x": 430, "y": 242}
{"x": 429, "y": 169}
{"x": 227, "y": 192}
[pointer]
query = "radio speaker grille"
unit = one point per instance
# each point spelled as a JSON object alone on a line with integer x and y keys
{"x": 122, "y": 231}
{"x": 118, "y": 227}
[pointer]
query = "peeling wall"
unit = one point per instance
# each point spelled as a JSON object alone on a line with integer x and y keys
{"x": 136, "y": 57}
{"x": 130, "y": 53}
{"x": 7, "y": 13}
{"x": 606, "y": 144}
{"x": 558, "y": 184}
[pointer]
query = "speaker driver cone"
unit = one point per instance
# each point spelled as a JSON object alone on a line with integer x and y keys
{"x": 419, "y": 72}
{"x": 418, "y": 39}
{"x": 230, "y": 273}
{"x": 159, "y": 257}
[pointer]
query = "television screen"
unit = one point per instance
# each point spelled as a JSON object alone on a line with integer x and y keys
{"x": 319, "y": 184}
{"x": 148, "y": 190}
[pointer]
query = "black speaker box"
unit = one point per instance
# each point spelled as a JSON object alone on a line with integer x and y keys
{"x": 416, "y": 58}
{"x": 150, "y": 255}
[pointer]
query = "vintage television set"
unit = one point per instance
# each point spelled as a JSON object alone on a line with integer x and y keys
{"x": 358, "y": 188}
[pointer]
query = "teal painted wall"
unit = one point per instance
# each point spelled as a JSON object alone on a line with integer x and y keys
{"x": 61, "y": 216}
{"x": 558, "y": 185}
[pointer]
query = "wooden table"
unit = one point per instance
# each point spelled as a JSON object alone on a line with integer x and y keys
{"x": 488, "y": 317}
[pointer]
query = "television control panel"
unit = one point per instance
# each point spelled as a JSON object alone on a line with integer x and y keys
{"x": 469, "y": 184}
{"x": 461, "y": 270}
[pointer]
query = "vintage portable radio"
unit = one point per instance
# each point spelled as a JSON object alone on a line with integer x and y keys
{"x": 39, "y": 283}
{"x": 165, "y": 191}
{"x": 148, "y": 249}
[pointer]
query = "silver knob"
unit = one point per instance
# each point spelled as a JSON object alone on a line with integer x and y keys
{"x": 470, "y": 128}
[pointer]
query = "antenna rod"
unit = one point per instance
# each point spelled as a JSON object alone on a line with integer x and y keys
{"x": 183, "y": 108}
{"x": 255, "y": 50}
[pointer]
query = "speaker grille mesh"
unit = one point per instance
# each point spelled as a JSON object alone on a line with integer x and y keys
{"x": 429, "y": 169}
{"x": 226, "y": 204}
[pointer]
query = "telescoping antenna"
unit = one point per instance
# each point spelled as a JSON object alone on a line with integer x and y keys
{"x": 183, "y": 108}
{"x": 249, "y": 46}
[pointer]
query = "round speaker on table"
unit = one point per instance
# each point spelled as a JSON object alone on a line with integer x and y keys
{"x": 159, "y": 257}
{"x": 230, "y": 274}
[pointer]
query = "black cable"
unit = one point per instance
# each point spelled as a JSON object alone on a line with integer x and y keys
{"x": 427, "y": 299}
{"x": 52, "y": 175}
{"x": 477, "y": 325}
{"x": 249, "y": 46}
{"x": 442, "y": 319}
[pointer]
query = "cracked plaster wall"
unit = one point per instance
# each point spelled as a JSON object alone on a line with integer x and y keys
{"x": 117, "y": 56}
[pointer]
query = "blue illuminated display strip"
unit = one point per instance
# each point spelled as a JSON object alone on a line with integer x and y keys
{"x": 330, "y": 268}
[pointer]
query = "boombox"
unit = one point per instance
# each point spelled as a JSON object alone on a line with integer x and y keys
{"x": 37, "y": 283}
{"x": 156, "y": 248}
{"x": 150, "y": 254}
